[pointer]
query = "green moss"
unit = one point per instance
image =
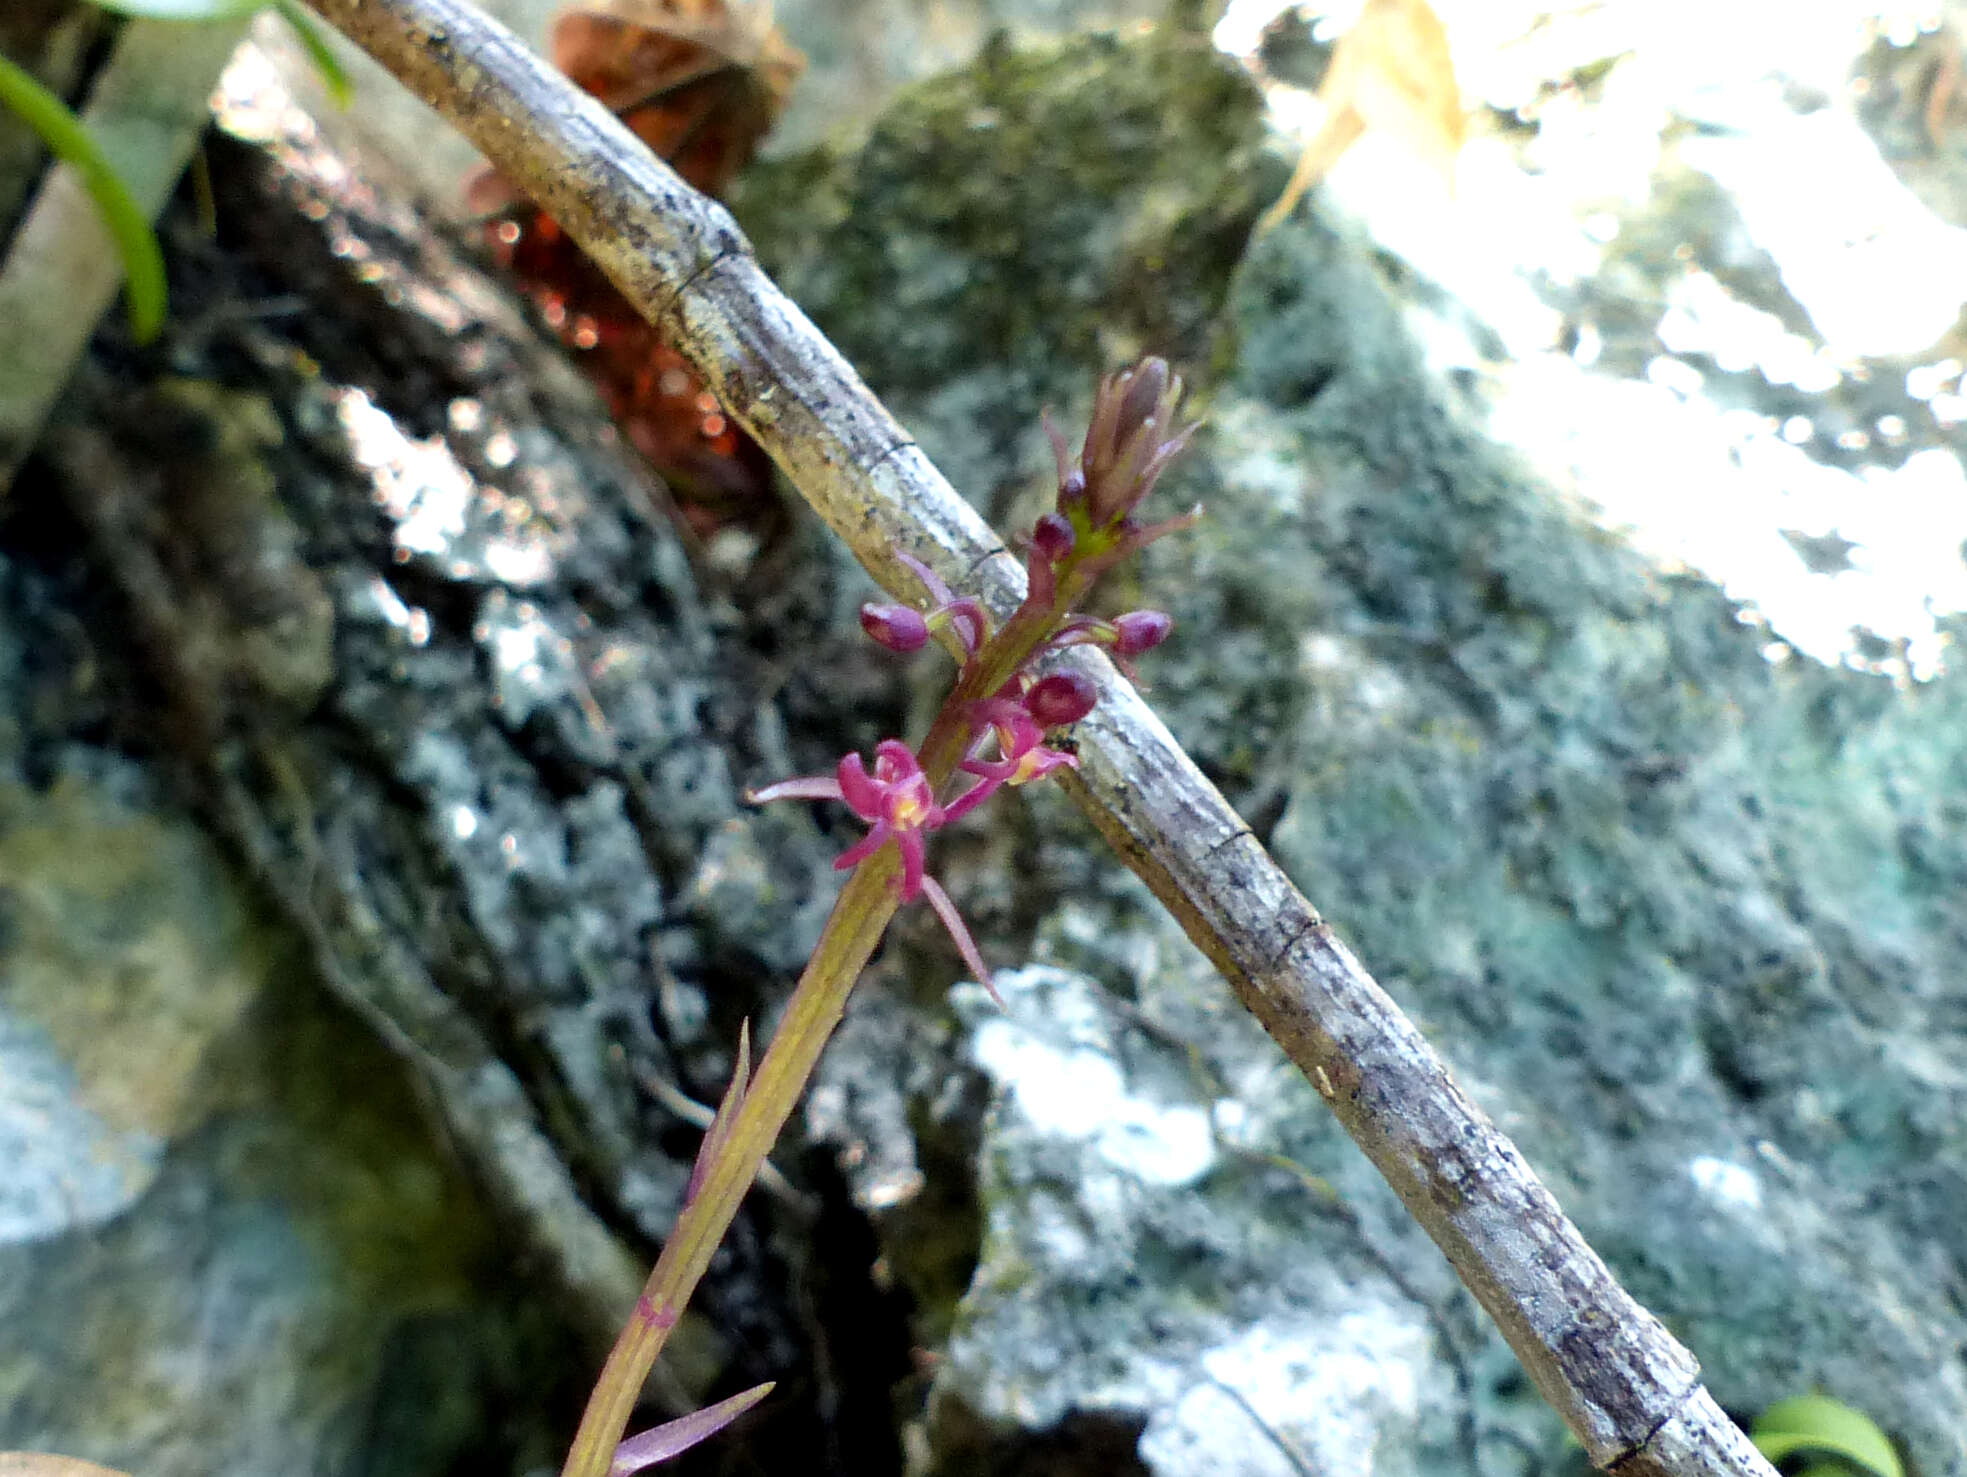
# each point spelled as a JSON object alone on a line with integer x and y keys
{"x": 1012, "y": 228}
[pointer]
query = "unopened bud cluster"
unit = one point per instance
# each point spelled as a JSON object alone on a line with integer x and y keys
{"x": 1133, "y": 437}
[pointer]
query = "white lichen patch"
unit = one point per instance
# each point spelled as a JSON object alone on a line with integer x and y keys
{"x": 442, "y": 513}
{"x": 1062, "y": 1079}
{"x": 1296, "y": 1394}
{"x": 1726, "y": 1183}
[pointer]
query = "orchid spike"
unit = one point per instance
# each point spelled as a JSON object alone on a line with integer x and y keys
{"x": 992, "y": 729}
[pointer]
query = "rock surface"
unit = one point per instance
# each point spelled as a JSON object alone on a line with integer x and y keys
{"x": 1681, "y": 918}
{"x": 227, "y": 1243}
{"x": 373, "y": 592}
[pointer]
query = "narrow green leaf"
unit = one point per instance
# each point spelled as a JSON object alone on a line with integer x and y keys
{"x": 129, "y": 228}
{"x": 183, "y": 10}
{"x": 327, "y": 66}
{"x": 1817, "y": 1423}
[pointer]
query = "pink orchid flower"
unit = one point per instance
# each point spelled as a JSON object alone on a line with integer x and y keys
{"x": 898, "y": 805}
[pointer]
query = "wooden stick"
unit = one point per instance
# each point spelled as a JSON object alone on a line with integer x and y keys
{"x": 1630, "y": 1393}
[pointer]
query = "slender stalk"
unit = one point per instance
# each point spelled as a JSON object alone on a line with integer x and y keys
{"x": 853, "y": 930}
{"x": 859, "y": 918}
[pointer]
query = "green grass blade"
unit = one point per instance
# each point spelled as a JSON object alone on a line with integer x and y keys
{"x": 1816, "y": 1423}
{"x": 327, "y": 66}
{"x": 183, "y": 10}
{"x": 129, "y": 228}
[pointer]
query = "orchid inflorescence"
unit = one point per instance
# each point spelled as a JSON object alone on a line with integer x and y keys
{"x": 996, "y": 728}
{"x": 1132, "y": 438}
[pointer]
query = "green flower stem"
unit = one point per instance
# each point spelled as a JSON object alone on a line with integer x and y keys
{"x": 859, "y": 918}
{"x": 853, "y": 930}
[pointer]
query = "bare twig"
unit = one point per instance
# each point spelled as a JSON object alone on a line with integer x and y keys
{"x": 1623, "y": 1385}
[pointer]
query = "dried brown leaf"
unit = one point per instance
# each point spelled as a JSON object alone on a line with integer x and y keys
{"x": 1392, "y": 72}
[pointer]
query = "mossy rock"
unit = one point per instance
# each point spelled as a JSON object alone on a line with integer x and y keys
{"x": 1010, "y": 230}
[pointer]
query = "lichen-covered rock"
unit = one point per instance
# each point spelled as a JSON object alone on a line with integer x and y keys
{"x": 1153, "y": 1251}
{"x": 227, "y": 1243}
{"x": 1684, "y": 915}
{"x": 1010, "y": 231}
{"x": 1683, "y": 919}
{"x": 377, "y": 589}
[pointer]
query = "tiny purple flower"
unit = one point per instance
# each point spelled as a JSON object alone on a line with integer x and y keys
{"x": 965, "y": 616}
{"x": 898, "y": 805}
{"x": 1140, "y": 630}
{"x": 1125, "y": 637}
{"x": 897, "y": 627}
{"x": 1021, "y": 750}
{"x": 1061, "y": 698}
{"x": 895, "y": 801}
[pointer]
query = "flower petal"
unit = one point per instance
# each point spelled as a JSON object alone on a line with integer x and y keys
{"x": 864, "y": 848}
{"x": 858, "y": 788}
{"x": 1035, "y": 764}
{"x": 806, "y": 787}
{"x": 894, "y": 763}
{"x": 909, "y": 844}
{"x": 897, "y": 627}
{"x": 959, "y": 932}
{"x": 1041, "y": 580}
{"x": 971, "y": 798}
{"x": 932, "y": 583}
{"x": 1061, "y": 698}
{"x": 972, "y": 626}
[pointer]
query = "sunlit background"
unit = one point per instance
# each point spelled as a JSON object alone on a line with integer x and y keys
{"x": 1700, "y": 263}
{"x": 1701, "y": 267}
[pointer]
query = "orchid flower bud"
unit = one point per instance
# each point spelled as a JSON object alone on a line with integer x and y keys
{"x": 897, "y": 627}
{"x": 1140, "y": 630}
{"x": 1061, "y": 698}
{"x": 1053, "y": 537}
{"x": 1133, "y": 436}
